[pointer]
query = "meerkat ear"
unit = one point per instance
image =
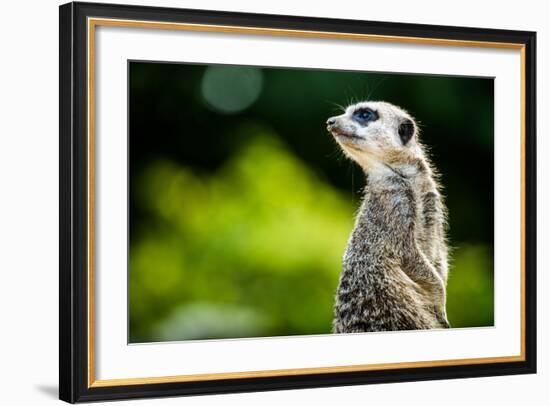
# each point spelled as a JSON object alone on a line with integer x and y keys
{"x": 406, "y": 131}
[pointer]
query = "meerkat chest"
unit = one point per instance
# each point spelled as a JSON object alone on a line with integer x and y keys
{"x": 394, "y": 213}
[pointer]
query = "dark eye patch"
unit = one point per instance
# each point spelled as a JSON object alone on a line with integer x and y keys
{"x": 364, "y": 115}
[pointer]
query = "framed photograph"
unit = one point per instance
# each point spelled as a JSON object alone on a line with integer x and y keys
{"x": 256, "y": 202}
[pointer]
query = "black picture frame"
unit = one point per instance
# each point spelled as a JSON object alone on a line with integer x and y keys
{"x": 74, "y": 200}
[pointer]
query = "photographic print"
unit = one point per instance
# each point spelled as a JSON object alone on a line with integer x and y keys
{"x": 257, "y": 202}
{"x": 272, "y": 202}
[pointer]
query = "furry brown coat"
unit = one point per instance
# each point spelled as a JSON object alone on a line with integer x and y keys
{"x": 395, "y": 266}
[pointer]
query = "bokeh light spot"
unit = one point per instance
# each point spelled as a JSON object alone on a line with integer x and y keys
{"x": 230, "y": 90}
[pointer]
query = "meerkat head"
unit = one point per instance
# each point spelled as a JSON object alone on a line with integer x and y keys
{"x": 376, "y": 134}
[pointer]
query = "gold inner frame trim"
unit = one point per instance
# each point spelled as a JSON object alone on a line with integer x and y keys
{"x": 94, "y": 22}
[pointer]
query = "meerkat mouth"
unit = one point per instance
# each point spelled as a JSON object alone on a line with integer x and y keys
{"x": 337, "y": 133}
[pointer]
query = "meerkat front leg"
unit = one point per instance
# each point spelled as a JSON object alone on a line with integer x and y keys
{"x": 401, "y": 214}
{"x": 418, "y": 268}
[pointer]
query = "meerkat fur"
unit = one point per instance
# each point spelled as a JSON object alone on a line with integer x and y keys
{"x": 395, "y": 265}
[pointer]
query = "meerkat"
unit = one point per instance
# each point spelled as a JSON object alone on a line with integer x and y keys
{"x": 395, "y": 267}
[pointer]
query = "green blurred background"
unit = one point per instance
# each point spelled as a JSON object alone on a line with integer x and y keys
{"x": 241, "y": 203}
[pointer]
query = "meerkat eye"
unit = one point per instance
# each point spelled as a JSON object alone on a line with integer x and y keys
{"x": 364, "y": 115}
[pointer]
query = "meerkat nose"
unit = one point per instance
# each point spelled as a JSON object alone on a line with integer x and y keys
{"x": 331, "y": 121}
